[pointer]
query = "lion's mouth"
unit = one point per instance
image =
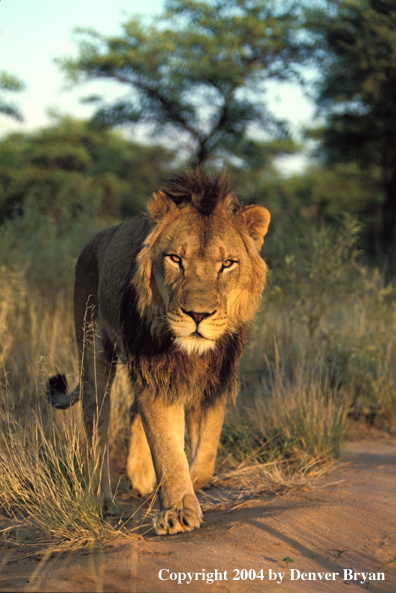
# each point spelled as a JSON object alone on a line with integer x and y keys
{"x": 196, "y": 334}
{"x": 195, "y": 343}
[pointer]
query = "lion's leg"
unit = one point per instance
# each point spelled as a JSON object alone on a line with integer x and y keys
{"x": 164, "y": 427}
{"x": 204, "y": 426}
{"x": 140, "y": 467}
{"x": 98, "y": 371}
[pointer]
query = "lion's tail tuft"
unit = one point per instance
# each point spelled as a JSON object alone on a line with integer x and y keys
{"x": 57, "y": 392}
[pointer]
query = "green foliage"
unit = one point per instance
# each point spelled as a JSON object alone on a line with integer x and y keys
{"x": 356, "y": 51}
{"x": 254, "y": 172}
{"x": 288, "y": 560}
{"x": 324, "y": 193}
{"x": 49, "y": 232}
{"x": 69, "y": 165}
{"x": 198, "y": 70}
{"x": 321, "y": 268}
{"x": 10, "y": 83}
{"x": 318, "y": 195}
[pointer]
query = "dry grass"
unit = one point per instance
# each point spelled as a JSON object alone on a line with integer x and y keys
{"x": 309, "y": 363}
{"x": 46, "y": 479}
{"x": 304, "y": 400}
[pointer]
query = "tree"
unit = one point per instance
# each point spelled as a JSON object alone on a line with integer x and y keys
{"x": 10, "y": 83}
{"x": 197, "y": 73}
{"x": 68, "y": 164}
{"x": 356, "y": 50}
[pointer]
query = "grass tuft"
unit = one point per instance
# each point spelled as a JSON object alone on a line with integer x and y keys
{"x": 46, "y": 481}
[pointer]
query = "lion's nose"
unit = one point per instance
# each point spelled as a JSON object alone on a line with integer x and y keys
{"x": 198, "y": 316}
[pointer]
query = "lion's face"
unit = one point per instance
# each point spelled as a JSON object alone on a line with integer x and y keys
{"x": 202, "y": 267}
{"x": 206, "y": 272}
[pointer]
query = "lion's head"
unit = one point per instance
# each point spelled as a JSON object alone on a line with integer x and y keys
{"x": 199, "y": 273}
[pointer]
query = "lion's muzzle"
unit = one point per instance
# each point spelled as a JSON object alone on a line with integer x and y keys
{"x": 198, "y": 317}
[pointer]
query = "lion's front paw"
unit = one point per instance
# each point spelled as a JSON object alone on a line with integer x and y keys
{"x": 176, "y": 521}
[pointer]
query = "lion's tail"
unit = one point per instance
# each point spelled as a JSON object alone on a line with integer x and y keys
{"x": 57, "y": 392}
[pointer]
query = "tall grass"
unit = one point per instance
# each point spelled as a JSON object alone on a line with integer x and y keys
{"x": 46, "y": 480}
{"x": 321, "y": 352}
{"x": 44, "y": 474}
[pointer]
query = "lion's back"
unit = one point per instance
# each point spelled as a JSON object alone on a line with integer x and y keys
{"x": 103, "y": 270}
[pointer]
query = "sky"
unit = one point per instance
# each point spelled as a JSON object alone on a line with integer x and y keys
{"x": 34, "y": 32}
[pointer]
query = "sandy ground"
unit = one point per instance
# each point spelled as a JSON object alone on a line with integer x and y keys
{"x": 347, "y": 522}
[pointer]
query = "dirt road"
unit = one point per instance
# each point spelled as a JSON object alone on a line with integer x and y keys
{"x": 339, "y": 537}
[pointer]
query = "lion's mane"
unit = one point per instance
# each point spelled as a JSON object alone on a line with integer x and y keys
{"x": 153, "y": 360}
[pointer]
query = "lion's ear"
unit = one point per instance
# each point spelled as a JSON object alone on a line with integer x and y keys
{"x": 256, "y": 219}
{"x": 160, "y": 206}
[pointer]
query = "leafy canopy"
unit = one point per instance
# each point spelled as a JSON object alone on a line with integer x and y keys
{"x": 197, "y": 73}
{"x": 356, "y": 51}
{"x": 357, "y": 91}
{"x": 10, "y": 83}
{"x": 68, "y": 165}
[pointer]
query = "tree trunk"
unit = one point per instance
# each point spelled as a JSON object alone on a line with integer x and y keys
{"x": 202, "y": 154}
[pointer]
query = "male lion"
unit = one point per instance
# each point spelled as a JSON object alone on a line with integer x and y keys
{"x": 170, "y": 293}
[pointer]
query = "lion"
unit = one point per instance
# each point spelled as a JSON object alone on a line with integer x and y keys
{"x": 169, "y": 293}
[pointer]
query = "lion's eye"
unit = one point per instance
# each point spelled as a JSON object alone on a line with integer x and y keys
{"x": 228, "y": 263}
{"x": 175, "y": 258}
